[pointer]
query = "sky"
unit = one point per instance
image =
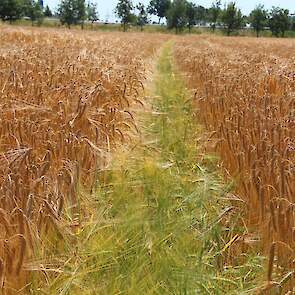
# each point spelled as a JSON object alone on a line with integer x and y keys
{"x": 106, "y": 7}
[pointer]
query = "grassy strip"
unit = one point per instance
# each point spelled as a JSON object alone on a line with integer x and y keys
{"x": 158, "y": 218}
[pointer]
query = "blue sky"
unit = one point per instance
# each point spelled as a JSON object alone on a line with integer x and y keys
{"x": 106, "y": 7}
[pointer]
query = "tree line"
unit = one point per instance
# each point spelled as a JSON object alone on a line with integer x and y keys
{"x": 69, "y": 12}
{"x": 178, "y": 15}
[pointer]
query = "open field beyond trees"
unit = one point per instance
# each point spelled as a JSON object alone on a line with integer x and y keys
{"x": 146, "y": 163}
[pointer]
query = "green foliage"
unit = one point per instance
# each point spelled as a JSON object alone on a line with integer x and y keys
{"x": 80, "y": 7}
{"x": 214, "y": 13}
{"x": 142, "y": 17}
{"x": 279, "y": 21}
{"x": 34, "y": 11}
{"x": 11, "y": 10}
{"x": 124, "y": 12}
{"x": 232, "y": 18}
{"x": 176, "y": 16}
{"x": 47, "y": 11}
{"x": 292, "y": 21}
{"x": 159, "y": 8}
{"x": 258, "y": 19}
{"x": 72, "y": 12}
{"x": 66, "y": 12}
{"x": 190, "y": 14}
{"x": 201, "y": 14}
{"x": 91, "y": 12}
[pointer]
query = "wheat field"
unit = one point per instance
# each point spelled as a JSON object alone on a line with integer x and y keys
{"x": 66, "y": 103}
{"x": 165, "y": 216}
{"x": 244, "y": 94}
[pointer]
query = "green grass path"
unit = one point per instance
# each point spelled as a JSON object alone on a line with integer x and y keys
{"x": 157, "y": 226}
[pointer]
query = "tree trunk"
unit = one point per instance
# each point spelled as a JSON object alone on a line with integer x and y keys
{"x": 257, "y": 33}
{"x": 124, "y": 27}
{"x": 159, "y": 20}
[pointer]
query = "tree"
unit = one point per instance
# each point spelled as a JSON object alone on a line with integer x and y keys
{"x": 91, "y": 12}
{"x": 66, "y": 13}
{"x": 34, "y": 11}
{"x": 72, "y": 12}
{"x": 292, "y": 22}
{"x": 176, "y": 16}
{"x": 159, "y": 8}
{"x": 232, "y": 18}
{"x": 124, "y": 12}
{"x": 27, "y": 7}
{"x": 47, "y": 11}
{"x": 279, "y": 21}
{"x": 214, "y": 13}
{"x": 142, "y": 18}
{"x": 200, "y": 14}
{"x": 190, "y": 15}
{"x": 80, "y": 9}
{"x": 11, "y": 10}
{"x": 258, "y": 19}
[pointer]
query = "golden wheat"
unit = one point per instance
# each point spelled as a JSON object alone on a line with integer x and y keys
{"x": 67, "y": 100}
{"x": 245, "y": 96}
